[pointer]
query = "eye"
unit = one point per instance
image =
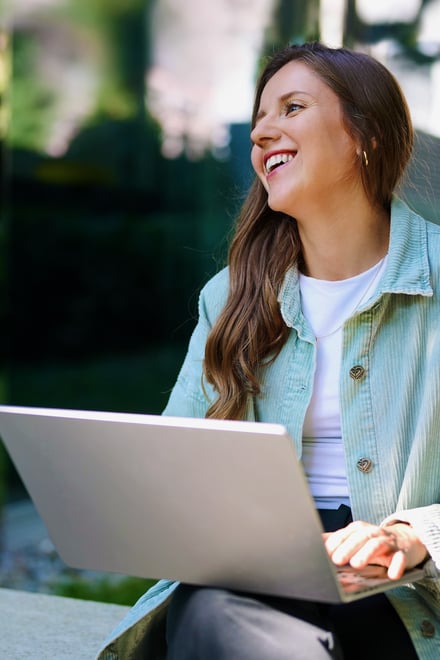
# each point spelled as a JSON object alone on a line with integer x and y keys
{"x": 292, "y": 107}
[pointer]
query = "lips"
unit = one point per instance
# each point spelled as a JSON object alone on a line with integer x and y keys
{"x": 273, "y": 160}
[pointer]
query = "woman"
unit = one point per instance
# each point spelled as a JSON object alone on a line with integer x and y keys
{"x": 327, "y": 321}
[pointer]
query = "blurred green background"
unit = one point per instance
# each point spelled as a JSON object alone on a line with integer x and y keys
{"x": 120, "y": 183}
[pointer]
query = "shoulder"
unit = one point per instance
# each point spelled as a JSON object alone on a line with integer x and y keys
{"x": 433, "y": 231}
{"x": 219, "y": 283}
{"x": 429, "y": 233}
{"x": 417, "y": 226}
{"x": 214, "y": 295}
{"x": 432, "y": 235}
{"x": 403, "y": 210}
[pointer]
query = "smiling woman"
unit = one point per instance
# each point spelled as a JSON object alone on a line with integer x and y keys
{"x": 305, "y": 126}
{"x": 324, "y": 208}
{"x": 329, "y": 274}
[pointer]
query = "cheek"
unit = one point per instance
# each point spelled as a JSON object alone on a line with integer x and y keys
{"x": 257, "y": 164}
{"x": 344, "y": 147}
{"x": 256, "y": 158}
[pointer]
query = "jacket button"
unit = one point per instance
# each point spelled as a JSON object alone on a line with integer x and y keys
{"x": 427, "y": 628}
{"x": 364, "y": 464}
{"x": 357, "y": 372}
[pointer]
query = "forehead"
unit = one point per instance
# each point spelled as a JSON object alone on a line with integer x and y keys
{"x": 296, "y": 77}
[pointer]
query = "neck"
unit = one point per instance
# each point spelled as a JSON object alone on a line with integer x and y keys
{"x": 339, "y": 245}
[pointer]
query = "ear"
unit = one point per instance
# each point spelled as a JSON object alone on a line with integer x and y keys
{"x": 360, "y": 150}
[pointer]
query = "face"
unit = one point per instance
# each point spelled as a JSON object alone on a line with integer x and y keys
{"x": 302, "y": 151}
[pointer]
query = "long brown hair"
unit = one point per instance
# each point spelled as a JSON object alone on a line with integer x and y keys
{"x": 250, "y": 330}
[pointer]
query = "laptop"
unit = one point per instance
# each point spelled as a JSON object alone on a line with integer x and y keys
{"x": 208, "y": 502}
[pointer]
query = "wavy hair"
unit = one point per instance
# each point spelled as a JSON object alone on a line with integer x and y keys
{"x": 250, "y": 332}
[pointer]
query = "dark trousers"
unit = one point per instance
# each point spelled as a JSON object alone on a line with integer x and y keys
{"x": 215, "y": 624}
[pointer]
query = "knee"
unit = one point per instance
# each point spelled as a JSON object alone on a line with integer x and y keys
{"x": 196, "y": 621}
{"x": 194, "y": 608}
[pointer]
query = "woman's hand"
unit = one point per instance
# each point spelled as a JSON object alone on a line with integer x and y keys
{"x": 396, "y": 547}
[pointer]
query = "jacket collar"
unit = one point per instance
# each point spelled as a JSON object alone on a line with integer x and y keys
{"x": 407, "y": 270}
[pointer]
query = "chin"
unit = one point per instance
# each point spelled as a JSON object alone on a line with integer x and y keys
{"x": 283, "y": 201}
{"x": 280, "y": 207}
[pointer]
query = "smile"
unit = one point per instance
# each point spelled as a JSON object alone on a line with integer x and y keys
{"x": 274, "y": 161}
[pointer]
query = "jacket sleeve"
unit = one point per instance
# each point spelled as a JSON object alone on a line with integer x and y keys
{"x": 426, "y": 522}
{"x": 192, "y": 395}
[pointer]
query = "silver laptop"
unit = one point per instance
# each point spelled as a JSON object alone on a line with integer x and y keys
{"x": 208, "y": 502}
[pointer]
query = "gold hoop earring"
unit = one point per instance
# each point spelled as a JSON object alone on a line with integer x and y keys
{"x": 364, "y": 154}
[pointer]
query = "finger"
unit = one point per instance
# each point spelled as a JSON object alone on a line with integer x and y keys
{"x": 359, "y": 551}
{"x": 335, "y": 539}
{"x": 347, "y": 542}
{"x": 374, "y": 550}
{"x": 397, "y": 565}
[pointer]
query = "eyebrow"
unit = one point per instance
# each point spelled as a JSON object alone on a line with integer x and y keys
{"x": 281, "y": 100}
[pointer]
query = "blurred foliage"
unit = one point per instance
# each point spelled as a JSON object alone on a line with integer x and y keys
{"x": 133, "y": 382}
{"x": 5, "y": 73}
{"x": 95, "y": 270}
{"x": 109, "y": 244}
{"x": 405, "y": 34}
{"x": 32, "y": 101}
{"x": 108, "y": 241}
{"x": 124, "y": 591}
{"x": 295, "y": 22}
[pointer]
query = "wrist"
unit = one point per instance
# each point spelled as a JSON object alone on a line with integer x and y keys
{"x": 408, "y": 541}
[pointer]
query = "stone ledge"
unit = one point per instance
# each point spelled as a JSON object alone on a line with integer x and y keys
{"x": 43, "y": 627}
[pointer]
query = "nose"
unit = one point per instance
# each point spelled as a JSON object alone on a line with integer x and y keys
{"x": 265, "y": 130}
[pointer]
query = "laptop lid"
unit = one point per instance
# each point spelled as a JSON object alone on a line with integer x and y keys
{"x": 210, "y": 502}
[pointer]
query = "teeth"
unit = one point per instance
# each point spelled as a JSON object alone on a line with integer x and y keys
{"x": 277, "y": 159}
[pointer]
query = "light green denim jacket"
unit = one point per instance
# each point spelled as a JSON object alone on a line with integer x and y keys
{"x": 390, "y": 416}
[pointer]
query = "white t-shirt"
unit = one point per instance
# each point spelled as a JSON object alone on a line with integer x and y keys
{"x": 327, "y": 305}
